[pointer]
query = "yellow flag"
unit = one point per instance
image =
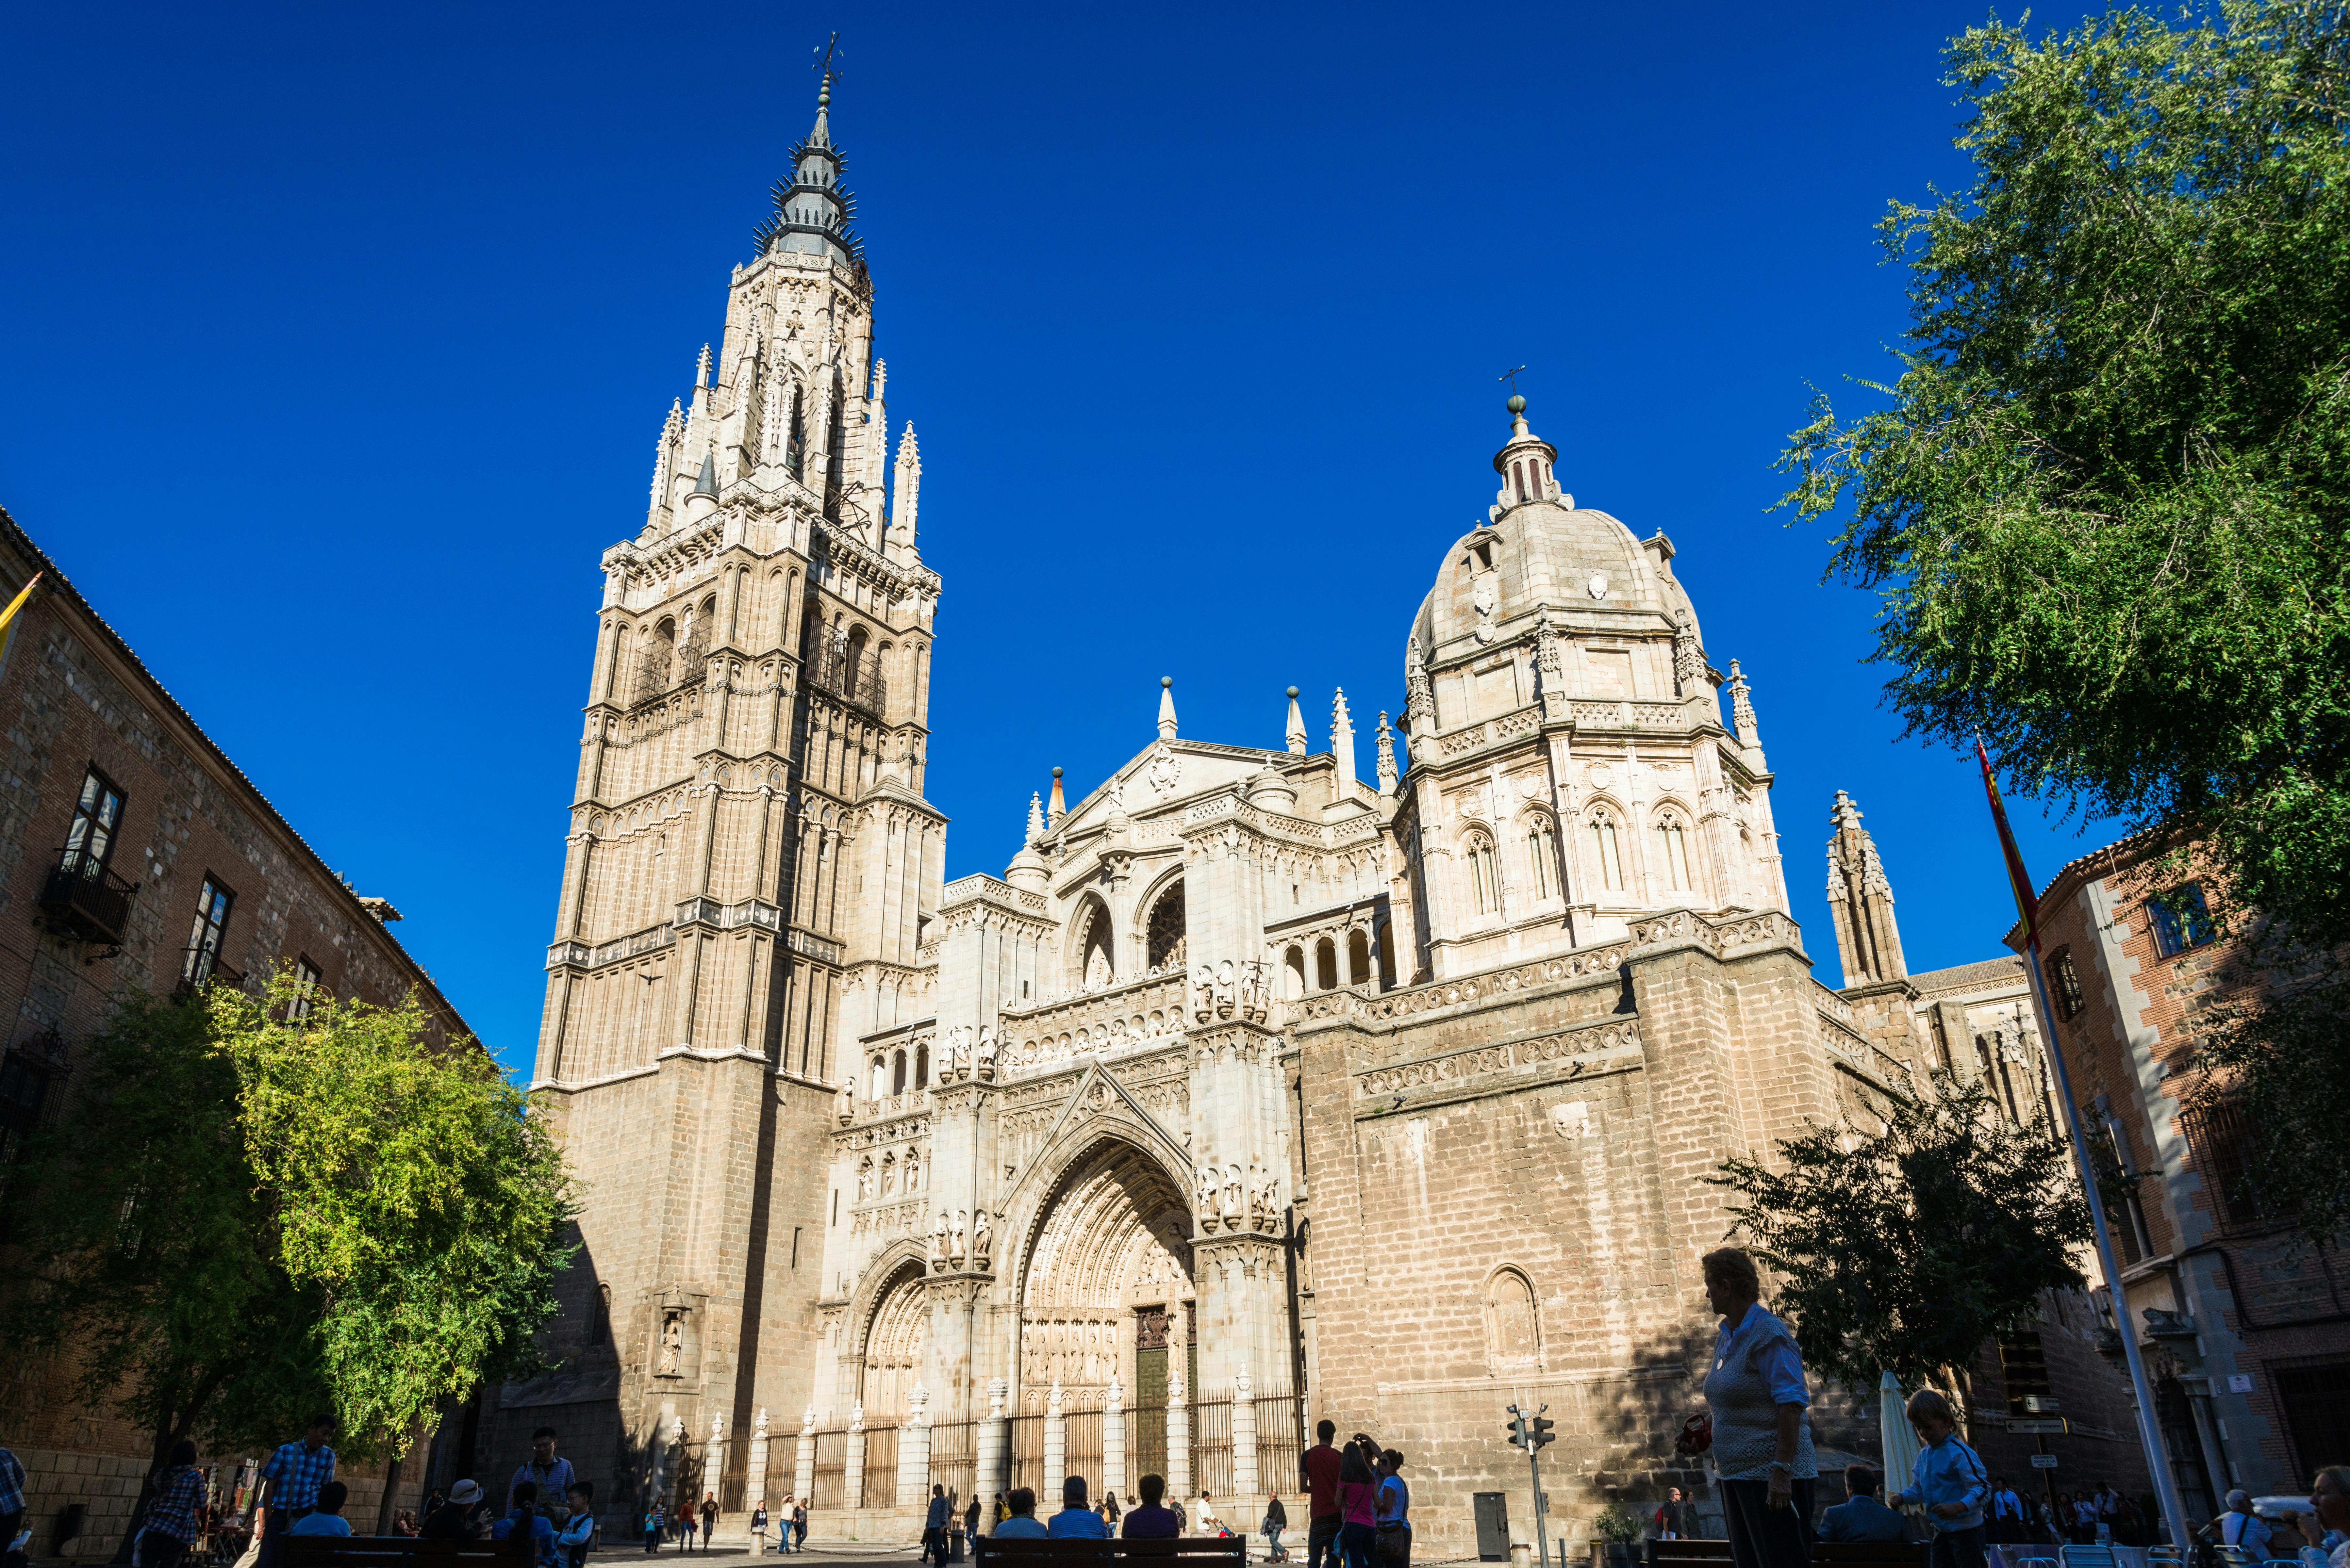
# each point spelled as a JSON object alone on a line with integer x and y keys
{"x": 17, "y": 603}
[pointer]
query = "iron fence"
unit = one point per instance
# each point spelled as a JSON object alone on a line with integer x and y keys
{"x": 1212, "y": 1447}
{"x": 1279, "y": 1442}
{"x": 954, "y": 1457}
{"x": 880, "y": 1467}
{"x": 1081, "y": 1449}
{"x": 829, "y": 1487}
{"x": 1027, "y": 1447}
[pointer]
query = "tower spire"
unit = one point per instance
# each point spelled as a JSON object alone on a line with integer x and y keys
{"x": 1860, "y": 901}
{"x": 1342, "y": 739}
{"x": 813, "y": 210}
{"x": 1294, "y": 732}
{"x": 1167, "y": 707}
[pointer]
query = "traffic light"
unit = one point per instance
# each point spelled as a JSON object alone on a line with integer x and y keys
{"x": 1516, "y": 1428}
{"x": 1542, "y": 1434}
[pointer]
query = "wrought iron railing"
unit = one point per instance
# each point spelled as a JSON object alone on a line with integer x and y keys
{"x": 881, "y": 1467}
{"x": 851, "y": 677}
{"x": 1211, "y": 1448}
{"x": 829, "y": 1486}
{"x": 955, "y": 1458}
{"x": 200, "y": 966}
{"x": 85, "y": 900}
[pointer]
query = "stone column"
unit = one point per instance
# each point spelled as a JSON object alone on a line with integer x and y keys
{"x": 804, "y": 1461}
{"x": 713, "y": 1465}
{"x": 1179, "y": 1438}
{"x": 1244, "y": 1437}
{"x": 994, "y": 1446}
{"x": 914, "y": 1449}
{"x": 1057, "y": 1443}
{"x": 755, "y": 1475}
{"x": 1113, "y": 1476}
{"x": 853, "y": 1475}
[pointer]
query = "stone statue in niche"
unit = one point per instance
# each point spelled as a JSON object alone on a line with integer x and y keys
{"x": 939, "y": 1240}
{"x": 982, "y": 1238}
{"x": 889, "y": 1175}
{"x": 672, "y": 1344}
{"x": 986, "y": 1054}
{"x": 1204, "y": 985}
{"x": 864, "y": 1178}
{"x": 844, "y": 1104}
{"x": 1253, "y": 993}
{"x": 1208, "y": 1198}
{"x": 1235, "y": 1196}
{"x": 914, "y": 1171}
{"x": 1227, "y": 989}
{"x": 954, "y": 1242}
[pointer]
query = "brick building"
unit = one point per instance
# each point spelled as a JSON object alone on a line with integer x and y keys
{"x": 134, "y": 854}
{"x": 1250, "y": 1091}
{"x": 2242, "y": 1327}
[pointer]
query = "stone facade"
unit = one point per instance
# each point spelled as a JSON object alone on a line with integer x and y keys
{"x": 116, "y": 905}
{"x": 1249, "y": 1093}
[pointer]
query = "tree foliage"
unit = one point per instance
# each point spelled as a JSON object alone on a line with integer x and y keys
{"x": 1902, "y": 1251}
{"x": 240, "y": 1220}
{"x": 414, "y": 1192}
{"x": 2106, "y": 503}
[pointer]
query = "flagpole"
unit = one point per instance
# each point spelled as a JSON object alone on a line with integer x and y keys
{"x": 2149, "y": 1433}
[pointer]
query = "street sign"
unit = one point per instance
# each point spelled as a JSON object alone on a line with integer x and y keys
{"x": 2042, "y": 1461}
{"x": 2240, "y": 1382}
{"x": 2054, "y": 1425}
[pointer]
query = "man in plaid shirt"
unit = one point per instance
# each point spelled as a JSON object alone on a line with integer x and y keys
{"x": 12, "y": 1497}
{"x": 170, "y": 1529}
{"x": 294, "y": 1474}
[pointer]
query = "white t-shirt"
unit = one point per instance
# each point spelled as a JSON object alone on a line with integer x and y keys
{"x": 1203, "y": 1517}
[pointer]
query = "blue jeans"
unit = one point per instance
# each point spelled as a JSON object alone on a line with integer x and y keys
{"x": 1357, "y": 1543}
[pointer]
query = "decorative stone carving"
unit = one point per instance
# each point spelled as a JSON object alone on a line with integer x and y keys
{"x": 940, "y": 1257}
{"x": 1163, "y": 771}
{"x": 672, "y": 1344}
{"x": 1484, "y": 598}
{"x": 955, "y": 1241}
{"x": 844, "y": 1104}
{"x": 986, "y": 1057}
{"x": 982, "y": 1238}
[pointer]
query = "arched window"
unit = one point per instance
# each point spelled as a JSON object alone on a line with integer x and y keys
{"x": 1387, "y": 955}
{"x": 1325, "y": 965}
{"x": 1542, "y": 849}
{"x": 880, "y": 1077}
{"x": 795, "y": 436}
{"x": 1672, "y": 857}
{"x": 922, "y": 1066}
{"x": 1163, "y": 943}
{"x": 1292, "y": 971}
{"x": 1513, "y": 1326}
{"x": 1358, "y": 959}
{"x": 1096, "y": 963}
{"x": 1603, "y": 857}
{"x": 1484, "y": 881}
{"x": 897, "y": 1073}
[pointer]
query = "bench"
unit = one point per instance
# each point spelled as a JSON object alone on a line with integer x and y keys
{"x": 398, "y": 1552}
{"x": 1824, "y": 1554}
{"x": 1189, "y": 1551}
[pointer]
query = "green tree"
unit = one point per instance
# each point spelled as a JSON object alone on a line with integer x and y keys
{"x": 2105, "y": 503}
{"x": 148, "y": 1250}
{"x": 1903, "y": 1251}
{"x": 240, "y": 1220}
{"x": 414, "y": 1192}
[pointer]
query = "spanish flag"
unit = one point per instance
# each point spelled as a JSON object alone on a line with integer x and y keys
{"x": 2027, "y": 905}
{"x": 18, "y": 602}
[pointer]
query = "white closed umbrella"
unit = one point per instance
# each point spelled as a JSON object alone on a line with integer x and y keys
{"x": 1899, "y": 1437}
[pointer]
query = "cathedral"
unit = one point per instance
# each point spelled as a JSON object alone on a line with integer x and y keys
{"x": 1250, "y": 1092}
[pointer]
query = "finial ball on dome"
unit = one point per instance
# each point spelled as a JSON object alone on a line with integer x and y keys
{"x": 1167, "y": 680}
{"x": 1057, "y": 773}
{"x": 1292, "y": 692}
{"x": 1516, "y": 405}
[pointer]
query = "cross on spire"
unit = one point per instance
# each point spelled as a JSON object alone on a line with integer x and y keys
{"x": 1512, "y": 378}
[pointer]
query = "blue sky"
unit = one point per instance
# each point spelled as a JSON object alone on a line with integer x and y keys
{"x": 335, "y": 342}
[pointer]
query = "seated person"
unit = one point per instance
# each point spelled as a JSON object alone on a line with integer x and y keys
{"x": 1020, "y": 1524}
{"x": 1863, "y": 1518}
{"x": 455, "y": 1518}
{"x": 1076, "y": 1520}
{"x": 526, "y": 1520}
{"x": 1148, "y": 1520}
{"x": 327, "y": 1517}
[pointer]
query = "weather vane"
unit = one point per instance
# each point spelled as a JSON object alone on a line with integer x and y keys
{"x": 1512, "y": 378}
{"x": 828, "y": 58}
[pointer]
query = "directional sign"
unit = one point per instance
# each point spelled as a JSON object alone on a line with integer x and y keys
{"x": 2042, "y": 1461}
{"x": 2051, "y": 1425}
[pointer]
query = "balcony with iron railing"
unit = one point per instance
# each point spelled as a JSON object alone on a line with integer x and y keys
{"x": 853, "y": 678}
{"x": 200, "y": 966}
{"x": 83, "y": 900}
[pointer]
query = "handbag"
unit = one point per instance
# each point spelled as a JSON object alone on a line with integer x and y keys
{"x": 1696, "y": 1436}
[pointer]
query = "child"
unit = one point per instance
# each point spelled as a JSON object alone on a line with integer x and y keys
{"x": 653, "y": 1528}
{"x": 326, "y": 1518}
{"x": 1950, "y": 1481}
{"x": 578, "y": 1536}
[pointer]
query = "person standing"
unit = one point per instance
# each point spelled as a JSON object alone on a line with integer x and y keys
{"x": 653, "y": 1527}
{"x": 799, "y": 1527}
{"x": 1277, "y": 1520}
{"x": 170, "y": 1531}
{"x": 759, "y": 1529}
{"x": 1317, "y": 1477}
{"x": 1762, "y": 1433}
{"x": 1672, "y": 1516}
{"x": 1394, "y": 1512}
{"x": 12, "y": 1497}
{"x": 1357, "y": 1506}
{"x": 2006, "y": 1511}
{"x": 1949, "y": 1481}
{"x": 934, "y": 1528}
{"x": 687, "y": 1523}
{"x": 578, "y": 1536}
{"x": 294, "y": 1474}
{"x": 709, "y": 1519}
{"x": 971, "y": 1520}
{"x": 1203, "y": 1517}
{"x": 551, "y": 1475}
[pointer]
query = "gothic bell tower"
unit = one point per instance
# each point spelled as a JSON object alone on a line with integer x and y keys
{"x": 749, "y": 867}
